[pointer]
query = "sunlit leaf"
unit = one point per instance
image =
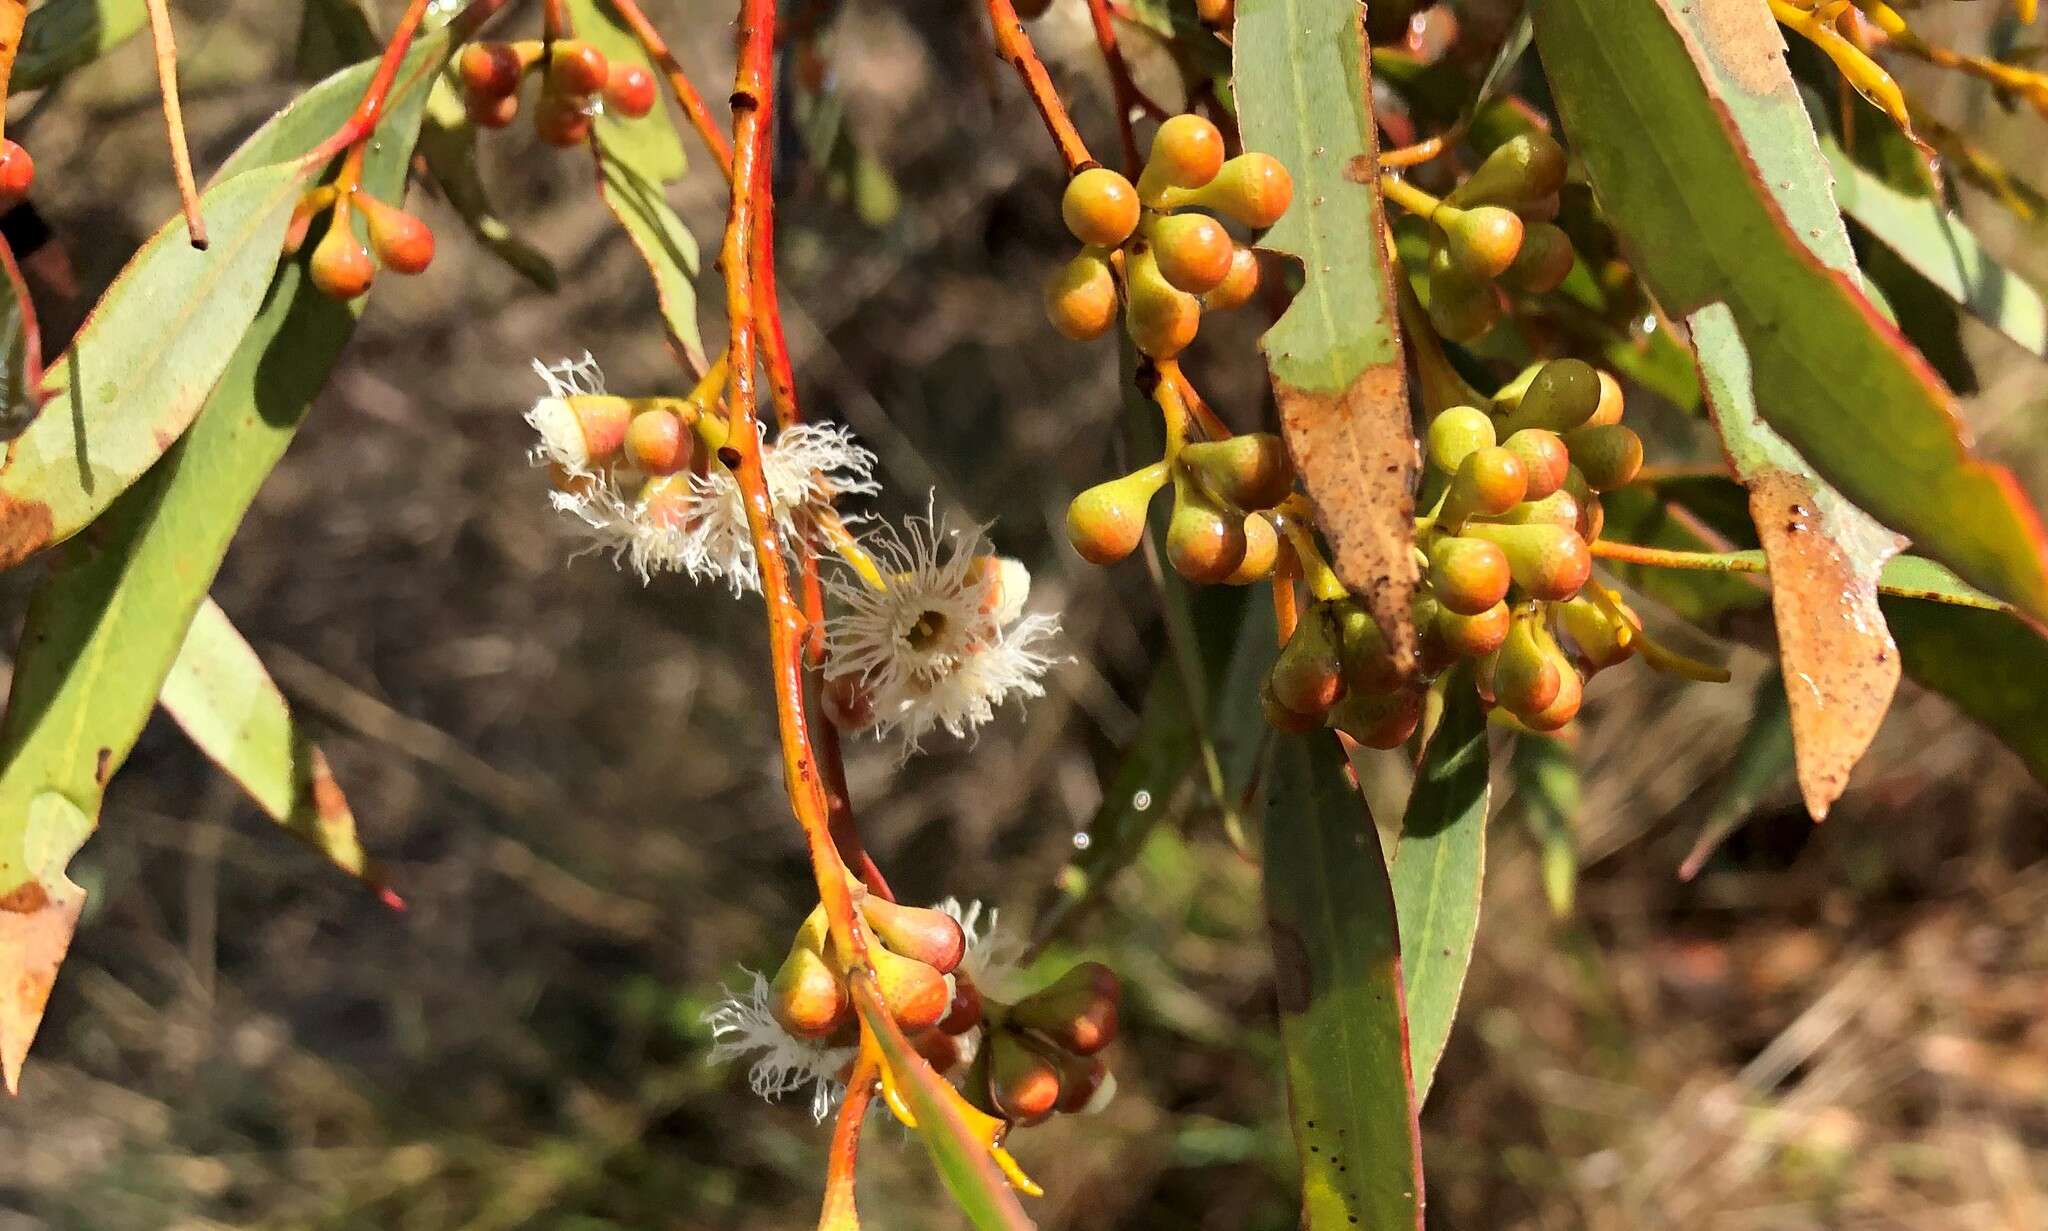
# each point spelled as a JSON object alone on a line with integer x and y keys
{"x": 141, "y": 366}
{"x": 1547, "y": 796}
{"x": 227, "y": 704}
{"x": 1439, "y": 870}
{"x": 1304, "y": 96}
{"x": 641, "y": 205}
{"x": 1707, "y": 232}
{"x": 1337, "y": 975}
{"x": 104, "y": 628}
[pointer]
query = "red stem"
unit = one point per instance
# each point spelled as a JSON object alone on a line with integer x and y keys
{"x": 679, "y": 82}
{"x": 1014, "y": 45}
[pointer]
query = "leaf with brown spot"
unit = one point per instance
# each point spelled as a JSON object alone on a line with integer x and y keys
{"x": 1825, "y": 554}
{"x": 1705, "y": 162}
{"x": 1303, "y": 85}
{"x": 1338, "y": 978}
{"x": 37, "y": 919}
{"x": 227, "y": 704}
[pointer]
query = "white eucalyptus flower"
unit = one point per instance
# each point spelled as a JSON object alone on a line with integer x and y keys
{"x": 805, "y": 466}
{"x": 742, "y": 1026}
{"x": 942, "y": 641}
{"x": 561, "y": 431}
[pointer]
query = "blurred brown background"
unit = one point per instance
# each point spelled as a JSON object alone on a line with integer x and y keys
{"x": 572, "y": 780}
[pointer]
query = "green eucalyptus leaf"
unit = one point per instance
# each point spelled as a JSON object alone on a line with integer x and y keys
{"x": 1439, "y": 871}
{"x": 1337, "y": 972}
{"x": 226, "y": 703}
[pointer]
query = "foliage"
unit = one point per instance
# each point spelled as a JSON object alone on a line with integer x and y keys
{"x": 1430, "y": 537}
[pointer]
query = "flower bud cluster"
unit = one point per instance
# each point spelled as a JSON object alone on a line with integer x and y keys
{"x": 1149, "y": 254}
{"x": 1515, "y": 489}
{"x": 341, "y": 265}
{"x": 1220, "y": 530}
{"x": 1496, "y": 231}
{"x": 574, "y": 75}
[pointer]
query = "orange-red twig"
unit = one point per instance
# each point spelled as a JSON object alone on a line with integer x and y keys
{"x": 174, "y": 119}
{"x": 751, "y": 97}
{"x": 371, "y": 109}
{"x": 679, "y": 84}
{"x": 1122, "y": 87}
{"x": 1014, "y": 45}
{"x": 838, "y": 1214}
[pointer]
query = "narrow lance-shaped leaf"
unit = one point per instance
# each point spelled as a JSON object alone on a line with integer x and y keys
{"x": 1439, "y": 870}
{"x": 664, "y": 243}
{"x": 142, "y": 364}
{"x": 1547, "y": 796}
{"x": 1942, "y": 248}
{"x": 1825, "y": 553}
{"x": 1650, "y": 93}
{"x": 227, "y": 704}
{"x": 104, "y": 628}
{"x": 1304, "y": 89}
{"x": 1337, "y": 975}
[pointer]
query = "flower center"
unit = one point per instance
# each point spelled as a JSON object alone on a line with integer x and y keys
{"x": 925, "y": 633}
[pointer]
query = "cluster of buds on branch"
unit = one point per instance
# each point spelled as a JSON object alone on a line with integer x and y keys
{"x": 575, "y": 80}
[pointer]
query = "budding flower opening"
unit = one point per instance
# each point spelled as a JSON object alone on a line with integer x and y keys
{"x": 943, "y": 640}
{"x": 682, "y": 522}
{"x": 743, "y": 1026}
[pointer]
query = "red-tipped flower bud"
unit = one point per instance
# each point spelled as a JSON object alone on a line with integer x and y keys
{"x": 402, "y": 242}
{"x": 1100, "y": 207}
{"x": 629, "y": 90}
{"x": 1077, "y": 1011}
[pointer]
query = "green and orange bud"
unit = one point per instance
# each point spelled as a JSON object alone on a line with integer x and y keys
{"x": 1523, "y": 169}
{"x": 1460, "y": 307}
{"x": 491, "y": 112}
{"x": 807, "y": 997}
{"x": 915, "y": 992}
{"x": 1468, "y": 575}
{"x": 1160, "y": 317}
{"x": 1368, "y": 664}
{"x": 1609, "y": 409}
{"x": 1528, "y": 671}
{"x": 561, "y": 120}
{"x": 1253, "y": 189}
{"x": 1559, "y": 396}
{"x": 1205, "y": 543}
{"x": 1238, "y": 286}
{"x": 1251, "y": 471}
{"x": 1559, "y": 508}
{"x": 1544, "y": 459}
{"x": 402, "y": 242}
{"x": 1473, "y": 636}
{"x": 1456, "y": 433}
{"x": 657, "y": 442}
{"x": 1076, "y": 1011}
{"x": 966, "y": 1011}
{"x": 630, "y": 90}
{"x": 1308, "y": 676}
{"x": 1080, "y": 298}
{"x": 1564, "y": 707}
{"x": 1608, "y": 455}
{"x": 1379, "y": 720}
{"x": 932, "y": 937}
{"x": 1549, "y": 562}
{"x": 1085, "y": 1084}
{"x": 1599, "y": 640}
{"x": 1544, "y": 262}
{"x": 1106, "y": 522}
{"x": 1280, "y": 718}
{"x": 577, "y": 69}
{"x": 1023, "y": 1082}
{"x": 1194, "y": 252}
{"x": 1217, "y": 14}
{"x": 1261, "y": 552}
{"x": 1482, "y": 241}
{"x": 1187, "y": 152}
{"x": 1489, "y": 482}
{"x": 1100, "y": 207}
{"x": 489, "y": 70}
{"x": 340, "y": 266}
